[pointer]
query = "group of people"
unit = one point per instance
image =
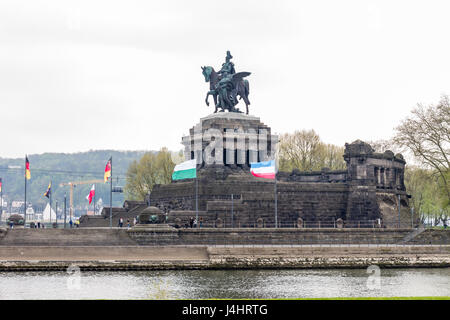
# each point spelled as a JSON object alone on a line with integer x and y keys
{"x": 120, "y": 225}
{"x": 76, "y": 223}
{"x": 39, "y": 225}
{"x": 193, "y": 222}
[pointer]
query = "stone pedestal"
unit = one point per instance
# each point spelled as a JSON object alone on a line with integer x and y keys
{"x": 229, "y": 139}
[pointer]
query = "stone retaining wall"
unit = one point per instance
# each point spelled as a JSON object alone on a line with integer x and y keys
{"x": 66, "y": 237}
{"x": 215, "y": 236}
{"x": 123, "y": 258}
{"x": 430, "y": 236}
{"x": 284, "y": 236}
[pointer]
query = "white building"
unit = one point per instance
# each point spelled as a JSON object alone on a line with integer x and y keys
{"x": 46, "y": 214}
{"x": 30, "y": 213}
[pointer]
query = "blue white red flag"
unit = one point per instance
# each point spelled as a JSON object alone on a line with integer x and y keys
{"x": 265, "y": 169}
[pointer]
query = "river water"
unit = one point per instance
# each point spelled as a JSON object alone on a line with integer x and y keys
{"x": 228, "y": 284}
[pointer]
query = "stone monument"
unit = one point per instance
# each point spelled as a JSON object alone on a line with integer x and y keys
{"x": 152, "y": 218}
{"x": 226, "y": 85}
{"x": 369, "y": 193}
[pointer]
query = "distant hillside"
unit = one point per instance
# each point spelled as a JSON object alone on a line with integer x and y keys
{"x": 65, "y": 167}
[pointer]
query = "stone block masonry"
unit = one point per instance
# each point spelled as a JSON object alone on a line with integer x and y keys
{"x": 370, "y": 192}
{"x": 141, "y": 236}
{"x": 123, "y": 258}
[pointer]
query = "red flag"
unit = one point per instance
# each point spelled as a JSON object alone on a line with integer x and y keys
{"x": 27, "y": 168}
{"x": 91, "y": 194}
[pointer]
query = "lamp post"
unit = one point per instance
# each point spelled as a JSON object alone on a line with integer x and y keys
{"x": 65, "y": 203}
{"x": 232, "y": 212}
{"x": 56, "y": 214}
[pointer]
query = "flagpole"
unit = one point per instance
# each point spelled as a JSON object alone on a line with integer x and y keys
{"x": 1, "y": 186}
{"x": 25, "y": 207}
{"x": 232, "y": 211}
{"x": 276, "y": 193}
{"x": 56, "y": 212}
{"x": 94, "y": 199}
{"x": 110, "y": 197}
{"x": 196, "y": 199}
{"x": 65, "y": 202}
{"x": 50, "y": 199}
{"x": 276, "y": 202}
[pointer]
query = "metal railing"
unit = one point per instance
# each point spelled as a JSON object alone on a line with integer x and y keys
{"x": 359, "y": 224}
{"x": 286, "y": 236}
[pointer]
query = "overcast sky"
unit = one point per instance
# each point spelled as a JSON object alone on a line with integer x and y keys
{"x": 80, "y": 75}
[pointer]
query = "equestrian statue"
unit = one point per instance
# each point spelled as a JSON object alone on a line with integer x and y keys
{"x": 226, "y": 85}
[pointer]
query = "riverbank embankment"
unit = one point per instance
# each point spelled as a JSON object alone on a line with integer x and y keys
{"x": 110, "y": 258}
{"x": 162, "y": 247}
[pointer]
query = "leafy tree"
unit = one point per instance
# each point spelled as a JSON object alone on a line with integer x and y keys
{"x": 426, "y": 134}
{"x": 332, "y": 157}
{"x": 303, "y": 150}
{"x": 419, "y": 182}
{"x": 151, "y": 169}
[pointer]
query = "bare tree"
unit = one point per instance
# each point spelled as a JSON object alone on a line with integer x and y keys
{"x": 426, "y": 134}
{"x": 384, "y": 144}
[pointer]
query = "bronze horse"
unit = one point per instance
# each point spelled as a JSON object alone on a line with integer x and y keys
{"x": 241, "y": 89}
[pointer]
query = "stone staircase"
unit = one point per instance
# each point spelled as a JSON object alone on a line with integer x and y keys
{"x": 413, "y": 234}
{"x": 117, "y": 213}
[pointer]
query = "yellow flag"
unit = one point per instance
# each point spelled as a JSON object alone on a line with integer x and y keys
{"x": 108, "y": 170}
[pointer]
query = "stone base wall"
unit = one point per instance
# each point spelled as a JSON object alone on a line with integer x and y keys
{"x": 267, "y": 236}
{"x": 430, "y": 236}
{"x": 253, "y": 201}
{"x": 217, "y": 236}
{"x": 66, "y": 237}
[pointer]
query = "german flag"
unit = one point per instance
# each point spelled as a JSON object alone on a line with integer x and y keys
{"x": 27, "y": 168}
{"x": 108, "y": 170}
{"x": 49, "y": 190}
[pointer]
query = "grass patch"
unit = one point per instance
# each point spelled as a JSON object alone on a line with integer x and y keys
{"x": 352, "y": 298}
{"x": 380, "y": 298}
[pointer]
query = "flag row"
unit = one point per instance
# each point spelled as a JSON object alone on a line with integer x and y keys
{"x": 48, "y": 192}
